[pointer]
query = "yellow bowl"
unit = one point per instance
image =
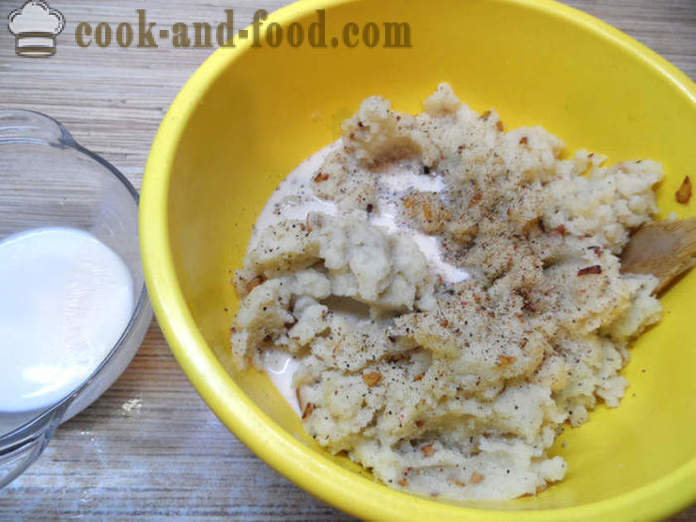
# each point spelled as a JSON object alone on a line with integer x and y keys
{"x": 249, "y": 115}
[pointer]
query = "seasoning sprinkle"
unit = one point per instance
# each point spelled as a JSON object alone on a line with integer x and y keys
{"x": 594, "y": 269}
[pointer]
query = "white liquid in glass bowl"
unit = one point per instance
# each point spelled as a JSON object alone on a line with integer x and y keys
{"x": 65, "y": 300}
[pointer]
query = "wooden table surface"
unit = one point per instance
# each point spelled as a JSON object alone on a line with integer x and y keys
{"x": 150, "y": 447}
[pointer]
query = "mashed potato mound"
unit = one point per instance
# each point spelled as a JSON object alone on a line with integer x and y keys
{"x": 447, "y": 387}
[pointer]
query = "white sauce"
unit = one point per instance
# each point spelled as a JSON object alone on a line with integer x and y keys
{"x": 280, "y": 367}
{"x": 391, "y": 186}
{"x": 294, "y": 199}
{"x": 66, "y": 300}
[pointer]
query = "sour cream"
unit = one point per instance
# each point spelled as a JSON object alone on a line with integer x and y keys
{"x": 65, "y": 300}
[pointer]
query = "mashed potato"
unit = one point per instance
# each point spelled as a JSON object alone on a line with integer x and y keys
{"x": 452, "y": 379}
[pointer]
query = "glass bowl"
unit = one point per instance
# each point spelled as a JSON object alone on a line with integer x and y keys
{"x": 47, "y": 179}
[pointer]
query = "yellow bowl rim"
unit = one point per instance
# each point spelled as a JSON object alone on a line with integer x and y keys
{"x": 323, "y": 478}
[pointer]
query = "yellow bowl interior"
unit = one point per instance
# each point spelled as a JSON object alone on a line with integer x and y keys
{"x": 250, "y": 115}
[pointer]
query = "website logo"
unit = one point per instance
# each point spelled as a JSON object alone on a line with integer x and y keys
{"x": 35, "y": 26}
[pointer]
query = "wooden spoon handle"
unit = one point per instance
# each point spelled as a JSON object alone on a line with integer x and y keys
{"x": 665, "y": 249}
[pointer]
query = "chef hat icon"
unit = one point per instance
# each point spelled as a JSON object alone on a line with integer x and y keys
{"x": 35, "y": 26}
